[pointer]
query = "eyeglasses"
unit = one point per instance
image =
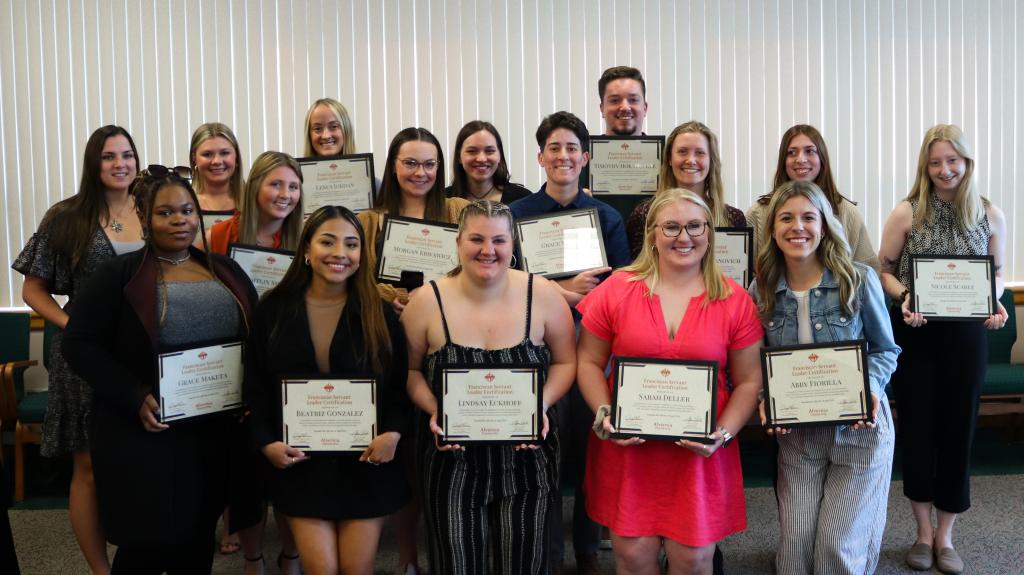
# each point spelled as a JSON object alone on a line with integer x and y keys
{"x": 412, "y": 165}
{"x": 160, "y": 171}
{"x": 693, "y": 229}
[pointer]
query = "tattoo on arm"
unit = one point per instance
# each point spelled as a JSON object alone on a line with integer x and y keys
{"x": 889, "y": 265}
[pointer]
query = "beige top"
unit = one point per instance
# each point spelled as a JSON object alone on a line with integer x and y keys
{"x": 373, "y": 221}
{"x": 323, "y": 320}
{"x": 849, "y": 216}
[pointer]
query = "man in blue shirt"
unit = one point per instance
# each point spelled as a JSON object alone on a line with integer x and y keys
{"x": 563, "y": 139}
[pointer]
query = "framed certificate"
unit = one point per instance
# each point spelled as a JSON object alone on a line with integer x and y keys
{"x": 561, "y": 244}
{"x": 199, "y": 381}
{"x": 491, "y": 405}
{"x": 664, "y": 399}
{"x": 212, "y": 217}
{"x": 264, "y": 266}
{"x": 734, "y": 253}
{"x": 625, "y": 164}
{"x": 816, "y": 384}
{"x": 953, "y": 288}
{"x": 412, "y": 245}
{"x": 326, "y": 414}
{"x": 337, "y": 181}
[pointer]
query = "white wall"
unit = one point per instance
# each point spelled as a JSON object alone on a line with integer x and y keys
{"x": 871, "y": 74}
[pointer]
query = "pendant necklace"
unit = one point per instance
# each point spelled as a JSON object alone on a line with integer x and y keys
{"x": 175, "y": 261}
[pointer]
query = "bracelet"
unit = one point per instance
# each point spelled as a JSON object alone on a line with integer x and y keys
{"x": 725, "y": 435}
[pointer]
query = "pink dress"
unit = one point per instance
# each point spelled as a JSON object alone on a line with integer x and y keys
{"x": 659, "y": 488}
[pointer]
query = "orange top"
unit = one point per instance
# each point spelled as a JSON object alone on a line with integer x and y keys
{"x": 224, "y": 233}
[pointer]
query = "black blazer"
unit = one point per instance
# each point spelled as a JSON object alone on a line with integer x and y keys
{"x": 153, "y": 488}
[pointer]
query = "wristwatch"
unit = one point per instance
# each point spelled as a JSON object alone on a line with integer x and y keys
{"x": 725, "y": 435}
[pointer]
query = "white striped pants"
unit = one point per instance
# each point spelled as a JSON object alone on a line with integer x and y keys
{"x": 833, "y": 494}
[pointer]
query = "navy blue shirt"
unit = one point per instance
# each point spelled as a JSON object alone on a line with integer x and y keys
{"x": 613, "y": 230}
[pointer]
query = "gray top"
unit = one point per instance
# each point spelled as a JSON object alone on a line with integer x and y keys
{"x": 121, "y": 248}
{"x": 197, "y": 312}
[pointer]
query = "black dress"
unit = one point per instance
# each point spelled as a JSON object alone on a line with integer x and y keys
{"x": 327, "y": 486}
{"x": 486, "y": 492}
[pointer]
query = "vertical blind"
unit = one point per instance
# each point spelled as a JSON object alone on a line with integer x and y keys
{"x": 872, "y": 75}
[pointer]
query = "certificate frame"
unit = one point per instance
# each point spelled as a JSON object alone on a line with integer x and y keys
{"x": 368, "y": 389}
{"x": 927, "y": 264}
{"x": 622, "y": 409}
{"x": 167, "y": 413}
{"x": 610, "y": 169}
{"x": 530, "y": 240}
{"x": 742, "y": 275}
{"x": 235, "y": 250}
{"x": 448, "y": 375}
{"x": 358, "y": 200}
{"x": 776, "y": 395}
{"x": 385, "y": 251}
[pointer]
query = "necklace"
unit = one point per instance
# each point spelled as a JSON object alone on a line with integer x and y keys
{"x": 484, "y": 195}
{"x": 175, "y": 261}
{"x": 115, "y": 225}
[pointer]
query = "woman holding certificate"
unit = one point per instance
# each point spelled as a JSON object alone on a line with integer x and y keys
{"x": 479, "y": 170}
{"x": 160, "y": 486}
{"x": 803, "y": 157}
{"x": 325, "y": 320}
{"x": 271, "y": 214}
{"x": 834, "y": 479}
{"x": 486, "y": 504}
{"x": 413, "y": 187}
{"x": 690, "y": 161}
{"x": 940, "y": 373}
{"x": 76, "y": 236}
{"x": 674, "y": 304}
{"x": 215, "y": 159}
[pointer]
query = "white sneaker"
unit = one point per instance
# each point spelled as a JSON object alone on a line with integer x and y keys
{"x": 408, "y": 569}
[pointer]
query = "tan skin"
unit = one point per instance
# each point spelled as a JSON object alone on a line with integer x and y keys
{"x": 215, "y": 160}
{"x": 679, "y": 264}
{"x": 118, "y": 167}
{"x": 945, "y": 170}
{"x": 484, "y": 306}
{"x": 325, "y": 546}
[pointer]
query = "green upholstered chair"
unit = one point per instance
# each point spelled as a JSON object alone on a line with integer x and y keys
{"x": 1003, "y": 390}
{"x": 20, "y": 410}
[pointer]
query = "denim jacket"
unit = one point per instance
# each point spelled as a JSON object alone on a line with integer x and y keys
{"x": 830, "y": 323}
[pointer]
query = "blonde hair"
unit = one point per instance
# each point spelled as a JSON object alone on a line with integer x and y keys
{"x": 646, "y": 264}
{"x": 968, "y": 204}
{"x": 248, "y": 219}
{"x": 714, "y": 190}
{"x": 833, "y": 251}
{"x": 209, "y": 131}
{"x": 344, "y": 119}
{"x": 486, "y": 209}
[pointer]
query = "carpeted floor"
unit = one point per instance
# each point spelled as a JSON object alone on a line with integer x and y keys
{"x": 990, "y": 537}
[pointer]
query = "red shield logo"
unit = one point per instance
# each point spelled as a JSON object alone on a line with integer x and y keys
{"x": 625, "y": 146}
{"x": 425, "y": 232}
{"x": 328, "y": 388}
{"x": 271, "y": 260}
{"x": 489, "y": 377}
{"x": 333, "y": 166}
{"x": 202, "y": 355}
{"x": 556, "y": 223}
{"x": 951, "y": 265}
{"x": 813, "y": 357}
{"x": 665, "y": 372}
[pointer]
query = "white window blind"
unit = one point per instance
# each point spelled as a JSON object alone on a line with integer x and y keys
{"x": 872, "y": 75}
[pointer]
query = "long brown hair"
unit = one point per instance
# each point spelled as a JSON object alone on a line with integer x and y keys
{"x": 72, "y": 222}
{"x": 389, "y": 200}
{"x": 362, "y": 287}
{"x": 824, "y": 181}
{"x": 833, "y": 251}
{"x": 714, "y": 189}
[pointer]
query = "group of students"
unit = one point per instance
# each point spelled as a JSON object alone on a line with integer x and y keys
{"x": 129, "y": 249}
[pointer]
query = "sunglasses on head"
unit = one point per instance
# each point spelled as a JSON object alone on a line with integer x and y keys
{"x": 160, "y": 171}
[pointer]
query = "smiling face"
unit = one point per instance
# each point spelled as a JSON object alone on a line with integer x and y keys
{"x": 416, "y": 181}
{"x": 485, "y": 246}
{"x": 334, "y": 252}
{"x": 802, "y": 161}
{"x": 624, "y": 107}
{"x": 683, "y": 251}
{"x": 480, "y": 156}
{"x": 563, "y": 157}
{"x": 118, "y": 164}
{"x": 326, "y": 134}
{"x": 215, "y": 161}
{"x": 279, "y": 193}
{"x": 946, "y": 168}
{"x": 173, "y": 221}
{"x": 797, "y": 228}
{"x": 690, "y": 161}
